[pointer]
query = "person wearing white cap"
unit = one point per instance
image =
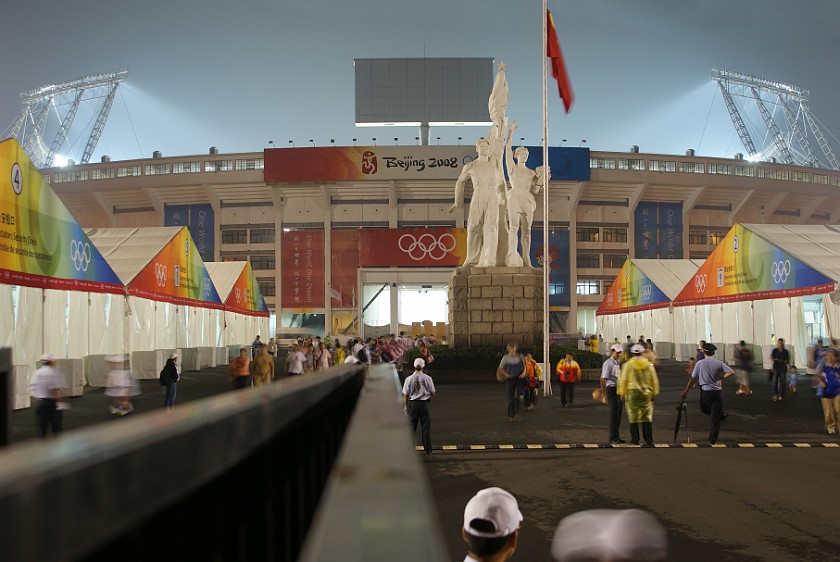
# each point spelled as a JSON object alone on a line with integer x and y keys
{"x": 609, "y": 535}
{"x": 709, "y": 374}
{"x": 491, "y": 525}
{"x": 169, "y": 378}
{"x": 418, "y": 390}
{"x": 610, "y": 372}
{"x": 120, "y": 385}
{"x": 638, "y": 386}
{"x": 46, "y": 385}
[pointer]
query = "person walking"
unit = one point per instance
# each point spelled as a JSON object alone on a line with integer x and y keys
{"x": 512, "y": 367}
{"x": 263, "y": 366}
{"x": 240, "y": 370}
{"x": 254, "y": 345}
{"x": 272, "y": 347}
{"x": 491, "y": 526}
{"x": 418, "y": 390}
{"x": 568, "y": 371}
{"x": 638, "y": 387}
{"x": 533, "y": 372}
{"x": 295, "y": 361}
{"x": 743, "y": 367}
{"x": 610, "y": 372}
{"x": 324, "y": 357}
{"x": 121, "y": 385}
{"x": 709, "y": 374}
{"x": 781, "y": 362}
{"x": 169, "y": 378}
{"x": 829, "y": 391}
{"x": 47, "y": 385}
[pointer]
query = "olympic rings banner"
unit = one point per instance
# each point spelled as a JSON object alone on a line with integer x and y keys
{"x": 177, "y": 274}
{"x": 412, "y": 247}
{"x": 632, "y": 291}
{"x": 744, "y": 266}
{"x": 41, "y": 244}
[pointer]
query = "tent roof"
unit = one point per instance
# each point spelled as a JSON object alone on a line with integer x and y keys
{"x": 129, "y": 250}
{"x": 669, "y": 275}
{"x": 815, "y": 245}
{"x": 225, "y": 275}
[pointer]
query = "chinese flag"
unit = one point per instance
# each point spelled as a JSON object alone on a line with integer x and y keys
{"x": 558, "y": 66}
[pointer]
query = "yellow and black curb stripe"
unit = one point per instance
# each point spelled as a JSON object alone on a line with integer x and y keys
{"x": 697, "y": 445}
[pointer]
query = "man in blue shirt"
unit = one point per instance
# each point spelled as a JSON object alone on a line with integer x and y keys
{"x": 610, "y": 372}
{"x": 708, "y": 374}
{"x": 418, "y": 389}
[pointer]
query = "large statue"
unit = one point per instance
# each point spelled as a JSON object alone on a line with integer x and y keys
{"x": 525, "y": 184}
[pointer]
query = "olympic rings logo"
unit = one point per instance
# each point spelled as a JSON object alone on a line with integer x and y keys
{"x": 780, "y": 270}
{"x": 647, "y": 292}
{"x": 160, "y": 274}
{"x": 238, "y": 295}
{"x": 700, "y": 282}
{"x": 427, "y": 246}
{"x": 81, "y": 254}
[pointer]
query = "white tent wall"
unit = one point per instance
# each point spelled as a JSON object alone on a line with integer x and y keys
{"x": 7, "y": 317}
{"x": 180, "y": 332}
{"x": 65, "y": 339}
{"x": 798, "y": 333}
{"x": 762, "y": 318}
{"x": 164, "y": 325}
{"x": 832, "y": 317}
{"x": 28, "y": 342}
{"x": 782, "y": 325}
{"x": 744, "y": 310}
{"x": 107, "y": 334}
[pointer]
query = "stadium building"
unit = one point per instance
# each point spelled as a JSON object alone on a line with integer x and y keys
{"x": 335, "y": 234}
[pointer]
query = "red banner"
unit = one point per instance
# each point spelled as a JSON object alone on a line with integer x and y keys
{"x": 412, "y": 247}
{"x": 302, "y": 269}
{"x": 345, "y": 266}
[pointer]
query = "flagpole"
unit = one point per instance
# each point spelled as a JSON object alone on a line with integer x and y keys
{"x": 546, "y": 180}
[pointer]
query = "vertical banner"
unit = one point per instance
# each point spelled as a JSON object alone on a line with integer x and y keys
{"x": 344, "y": 267}
{"x": 176, "y": 215}
{"x": 645, "y": 235}
{"x": 670, "y": 231}
{"x": 302, "y": 268}
{"x": 559, "y": 278}
{"x": 202, "y": 228}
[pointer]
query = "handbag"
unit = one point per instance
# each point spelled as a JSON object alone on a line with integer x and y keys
{"x": 501, "y": 375}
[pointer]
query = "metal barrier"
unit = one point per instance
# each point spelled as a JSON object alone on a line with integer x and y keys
{"x": 235, "y": 477}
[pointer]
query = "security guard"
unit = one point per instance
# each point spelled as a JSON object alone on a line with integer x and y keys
{"x": 46, "y": 384}
{"x": 417, "y": 391}
{"x": 709, "y": 374}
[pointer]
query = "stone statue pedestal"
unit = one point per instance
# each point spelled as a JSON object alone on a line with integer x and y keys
{"x": 495, "y": 306}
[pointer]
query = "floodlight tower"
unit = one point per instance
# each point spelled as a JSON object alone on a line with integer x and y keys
{"x": 29, "y": 126}
{"x": 790, "y": 135}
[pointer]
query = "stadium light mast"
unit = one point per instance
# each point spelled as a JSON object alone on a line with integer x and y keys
{"x": 790, "y": 135}
{"x": 37, "y": 103}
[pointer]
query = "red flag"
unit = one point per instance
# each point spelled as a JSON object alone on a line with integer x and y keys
{"x": 558, "y": 66}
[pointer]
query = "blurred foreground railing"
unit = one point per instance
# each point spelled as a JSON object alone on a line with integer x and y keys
{"x": 235, "y": 477}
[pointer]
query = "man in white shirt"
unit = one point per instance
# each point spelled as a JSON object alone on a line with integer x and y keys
{"x": 609, "y": 388}
{"x": 46, "y": 385}
{"x": 491, "y": 526}
{"x": 417, "y": 391}
{"x": 295, "y": 361}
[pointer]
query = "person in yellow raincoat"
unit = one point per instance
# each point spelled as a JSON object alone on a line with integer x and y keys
{"x": 638, "y": 385}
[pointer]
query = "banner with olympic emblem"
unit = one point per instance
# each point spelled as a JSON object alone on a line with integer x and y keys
{"x": 412, "y": 247}
{"x": 177, "y": 274}
{"x": 745, "y": 266}
{"x": 632, "y": 291}
{"x": 245, "y": 297}
{"x": 41, "y": 244}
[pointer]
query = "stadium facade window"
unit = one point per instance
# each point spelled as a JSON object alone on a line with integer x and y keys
{"x": 614, "y": 261}
{"x": 746, "y": 171}
{"x": 158, "y": 169}
{"x": 186, "y": 167}
{"x": 800, "y": 176}
{"x": 725, "y": 169}
{"x": 102, "y": 173}
{"x": 262, "y": 262}
{"x": 607, "y": 286}
{"x": 235, "y": 236}
{"x": 662, "y": 165}
{"x": 250, "y": 164}
{"x": 630, "y": 164}
{"x": 589, "y": 260}
{"x": 556, "y": 288}
{"x": 77, "y": 175}
{"x": 716, "y": 237}
{"x": 606, "y": 163}
{"x": 698, "y": 237}
{"x": 821, "y": 179}
{"x": 262, "y": 236}
{"x": 693, "y": 167}
{"x": 835, "y": 180}
{"x": 128, "y": 171}
{"x": 218, "y": 166}
{"x": 268, "y": 288}
{"x": 588, "y": 287}
{"x": 587, "y": 234}
{"x": 615, "y": 235}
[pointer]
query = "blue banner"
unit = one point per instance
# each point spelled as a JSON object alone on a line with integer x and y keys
{"x": 567, "y": 164}
{"x": 670, "y": 231}
{"x": 559, "y": 278}
{"x": 176, "y": 215}
{"x": 202, "y": 228}
{"x": 645, "y": 234}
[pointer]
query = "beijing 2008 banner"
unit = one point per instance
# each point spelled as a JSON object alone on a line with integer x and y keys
{"x": 631, "y": 291}
{"x": 745, "y": 266}
{"x": 41, "y": 244}
{"x": 412, "y": 247}
{"x": 302, "y": 270}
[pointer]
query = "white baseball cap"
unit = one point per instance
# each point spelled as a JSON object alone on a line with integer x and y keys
{"x": 610, "y": 534}
{"x": 495, "y": 506}
{"x": 48, "y": 357}
{"x": 419, "y": 363}
{"x": 174, "y": 356}
{"x": 617, "y": 347}
{"x": 637, "y": 348}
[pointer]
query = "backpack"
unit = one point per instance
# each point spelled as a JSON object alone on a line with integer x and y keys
{"x": 164, "y": 377}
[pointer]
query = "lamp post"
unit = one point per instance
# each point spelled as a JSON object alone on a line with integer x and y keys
{"x": 313, "y": 142}
{"x": 395, "y": 141}
{"x": 333, "y": 142}
{"x": 562, "y": 141}
{"x": 354, "y": 142}
{"x": 438, "y": 139}
{"x": 291, "y": 142}
{"x": 374, "y": 140}
{"x": 582, "y": 142}
{"x": 271, "y": 144}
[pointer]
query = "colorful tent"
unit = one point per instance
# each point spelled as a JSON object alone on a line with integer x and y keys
{"x": 246, "y": 313}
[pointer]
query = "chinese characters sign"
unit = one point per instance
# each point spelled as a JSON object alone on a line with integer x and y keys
{"x": 302, "y": 268}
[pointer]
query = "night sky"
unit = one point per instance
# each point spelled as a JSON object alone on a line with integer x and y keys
{"x": 237, "y": 74}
